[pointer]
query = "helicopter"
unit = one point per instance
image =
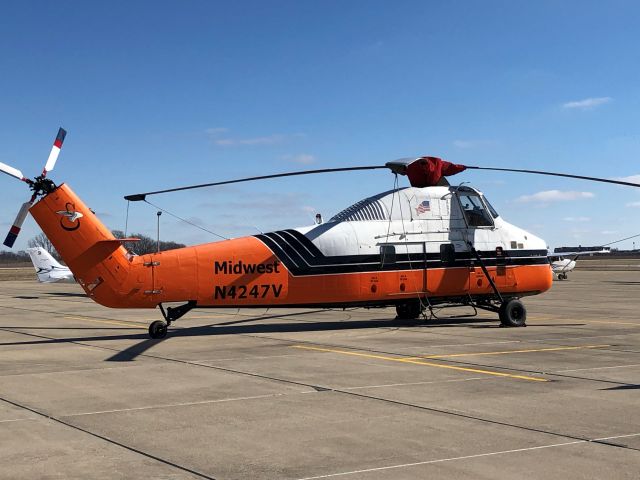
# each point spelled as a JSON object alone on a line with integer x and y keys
{"x": 411, "y": 248}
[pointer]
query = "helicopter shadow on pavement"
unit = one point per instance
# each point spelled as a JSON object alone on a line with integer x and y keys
{"x": 232, "y": 328}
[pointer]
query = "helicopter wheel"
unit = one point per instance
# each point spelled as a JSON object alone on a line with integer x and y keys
{"x": 158, "y": 329}
{"x": 562, "y": 276}
{"x": 409, "y": 310}
{"x": 513, "y": 313}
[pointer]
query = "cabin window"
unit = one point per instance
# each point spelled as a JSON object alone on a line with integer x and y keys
{"x": 448, "y": 253}
{"x": 475, "y": 211}
{"x": 387, "y": 255}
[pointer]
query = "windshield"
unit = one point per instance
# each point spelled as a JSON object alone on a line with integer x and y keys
{"x": 494, "y": 214}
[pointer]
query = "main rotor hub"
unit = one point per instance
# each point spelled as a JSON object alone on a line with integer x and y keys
{"x": 41, "y": 185}
{"x": 425, "y": 171}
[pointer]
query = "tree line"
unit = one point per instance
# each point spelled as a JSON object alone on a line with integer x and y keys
{"x": 144, "y": 246}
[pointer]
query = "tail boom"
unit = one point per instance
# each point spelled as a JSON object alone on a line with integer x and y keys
{"x": 101, "y": 265}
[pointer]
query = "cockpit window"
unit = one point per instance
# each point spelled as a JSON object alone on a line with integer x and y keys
{"x": 474, "y": 211}
{"x": 492, "y": 210}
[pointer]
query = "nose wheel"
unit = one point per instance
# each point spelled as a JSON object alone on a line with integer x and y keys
{"x": 513, "y": 313}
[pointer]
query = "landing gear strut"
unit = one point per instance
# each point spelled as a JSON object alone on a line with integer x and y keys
{"x": 158, "y": 329}
{"x": 512, "y": 312}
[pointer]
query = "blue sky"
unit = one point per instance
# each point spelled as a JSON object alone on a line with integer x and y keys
{"x": 162, "y": 94}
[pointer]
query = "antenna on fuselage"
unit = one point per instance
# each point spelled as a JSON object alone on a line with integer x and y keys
{"x": 158, "y": 232}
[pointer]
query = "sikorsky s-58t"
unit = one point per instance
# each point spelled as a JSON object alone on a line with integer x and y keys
{"x": 413, "y": 247}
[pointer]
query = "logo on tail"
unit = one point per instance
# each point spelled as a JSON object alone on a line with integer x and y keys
{"x": 70, "y": 220}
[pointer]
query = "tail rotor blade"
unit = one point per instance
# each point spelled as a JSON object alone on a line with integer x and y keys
{"x": 55, "y": 151}
{"x": 17, "y": 224}
{"x": 9, "y": 170}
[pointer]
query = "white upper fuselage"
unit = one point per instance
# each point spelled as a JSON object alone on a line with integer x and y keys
{"x": 420, "y": 220}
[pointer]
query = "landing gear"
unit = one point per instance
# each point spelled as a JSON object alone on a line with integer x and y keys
{"x": 409, "y": 310}
{"x": 513, "y": 313}
{"x": 562, "y": 276}
{"x": 158, "y": 329}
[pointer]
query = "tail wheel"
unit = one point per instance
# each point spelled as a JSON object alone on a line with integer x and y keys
{"x": 513, "y": 313}
{"x": 158, "y": 329}
{"x": 409, "y": 310}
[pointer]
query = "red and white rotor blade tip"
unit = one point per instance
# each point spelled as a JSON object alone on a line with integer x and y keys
{"x": 55, "y": 151}
{"x": 9, "y": 170}
{"x": 17, "y": 224}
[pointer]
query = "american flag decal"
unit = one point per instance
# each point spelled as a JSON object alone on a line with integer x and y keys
{"x": 423, "y": 207}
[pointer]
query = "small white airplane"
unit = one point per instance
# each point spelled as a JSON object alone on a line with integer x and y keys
{"x": 563, "y": 263}
{"x": 47, "y": 268}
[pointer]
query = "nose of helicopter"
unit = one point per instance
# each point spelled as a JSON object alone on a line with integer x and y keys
{"x": 533, "y": 242}
{"x": 518, "y": 238}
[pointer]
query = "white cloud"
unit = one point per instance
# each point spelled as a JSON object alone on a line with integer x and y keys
{"x": 466, "y": 144}
{"x": 278, "y": 205}
{"x": 630, "y": 178}
{"x": 587, "y": 103}
{"x": 266, "y": 140}
{"x": 104, "y": 215}
{"x": 220, "y": 137}
{"x": 633, "y": 204}
{"x": 548, "y": 196}
{"x": 576, "y": 219}
{"x": 609, "y": 232}
{"x": 303, "y": 158}
{"x": 490, "y": 183}
{"x": 213, "y": 132}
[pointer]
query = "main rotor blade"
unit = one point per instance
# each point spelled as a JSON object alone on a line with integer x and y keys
{"x": 55, "y": 151}
{"x": 554, "y": 174}
{"x": 9, "y": 170}
{"x": 141, "y": 196}
{"x": 17, "y": 224}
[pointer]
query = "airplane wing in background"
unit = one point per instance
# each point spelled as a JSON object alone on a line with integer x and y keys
{"x": 564, "y": 262}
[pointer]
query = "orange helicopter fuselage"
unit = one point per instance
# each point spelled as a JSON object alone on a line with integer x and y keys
{"x": 251, "y": 271}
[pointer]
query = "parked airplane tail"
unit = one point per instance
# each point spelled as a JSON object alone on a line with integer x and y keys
{"x": 42, "y": 259}
{"x": 47, "y": 268}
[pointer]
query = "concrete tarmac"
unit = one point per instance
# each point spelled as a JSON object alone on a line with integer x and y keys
{"x": 301, "y": 394}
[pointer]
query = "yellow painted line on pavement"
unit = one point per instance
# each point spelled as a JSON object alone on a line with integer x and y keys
{"x": 212, "y": 315}
{"x": 111, "y": 322}
{"x": 583, "y": 320}
{"x": 506, "y": 352}
{"x": 422, "y": 362}
{"x": 617, "y": 323}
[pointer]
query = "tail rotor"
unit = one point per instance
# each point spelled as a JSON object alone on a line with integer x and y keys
{"x": 38, "y": 185}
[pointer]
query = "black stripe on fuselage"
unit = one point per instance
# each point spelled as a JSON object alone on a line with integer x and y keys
{"x": 301, "y": 257}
